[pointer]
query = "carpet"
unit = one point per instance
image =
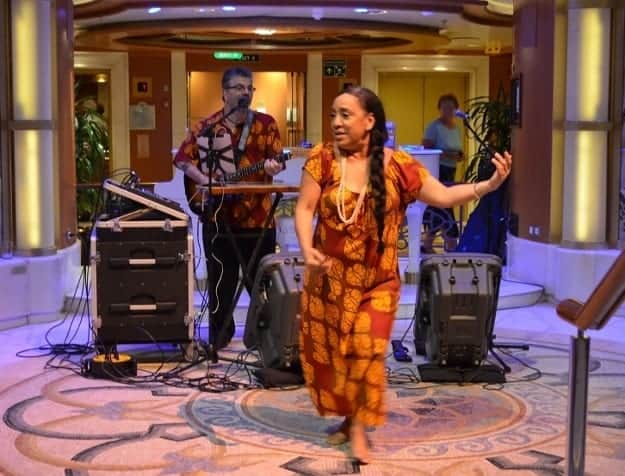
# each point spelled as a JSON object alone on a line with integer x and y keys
{"x": 56, "y": 422}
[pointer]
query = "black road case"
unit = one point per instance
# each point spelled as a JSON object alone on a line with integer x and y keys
{"x": 142, "y": 273}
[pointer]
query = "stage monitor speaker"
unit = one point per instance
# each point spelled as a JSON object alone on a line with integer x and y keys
{"x": 455, "y": 314}
{"x": 272, "y": 323}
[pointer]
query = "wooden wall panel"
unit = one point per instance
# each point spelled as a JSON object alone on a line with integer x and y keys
{"x": 500, "y": 74}
{"x": 150, "y": 150}
{"x": 532, "y": 141}
{"x": 330, "y": 86}
{"x": 267, "y": 62}
{"x": 66, "y": 219}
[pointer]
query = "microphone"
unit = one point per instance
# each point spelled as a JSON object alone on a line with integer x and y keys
{"x": 244, "y": 102}
{"x": 462, "y": 115}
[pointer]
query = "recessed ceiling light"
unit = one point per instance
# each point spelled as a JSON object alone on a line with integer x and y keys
{"x": 361, "y": 10}
{"x": 228, "y": 8}
{"x": 154, "y": 10}
{"x": 473, "y": 45}
{"x": 264, "y": 31}
{"x": 440, "y": 68}
{"x": 317, "y": 13}
{"x": 427, "y": 14}
{"x": 200, "y": 10}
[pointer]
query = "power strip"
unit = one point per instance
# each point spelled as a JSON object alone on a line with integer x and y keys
{"x": 111, "y": 367}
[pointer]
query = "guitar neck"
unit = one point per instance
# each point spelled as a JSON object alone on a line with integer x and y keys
{"x": 244, "y": 172}
{"x": 252, "y": 169}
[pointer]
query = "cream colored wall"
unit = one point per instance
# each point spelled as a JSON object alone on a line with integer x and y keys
{"x": 411, "y": 101}
{"x": 402, "y": 95}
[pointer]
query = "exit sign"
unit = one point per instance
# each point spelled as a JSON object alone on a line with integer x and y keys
{"x": 334, "y": 68}
{"x": 235, "y": 56}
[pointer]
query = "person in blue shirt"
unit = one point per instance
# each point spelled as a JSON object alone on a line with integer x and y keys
{"x": 444, "y": 133}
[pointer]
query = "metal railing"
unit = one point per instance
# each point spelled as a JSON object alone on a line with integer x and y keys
{"x": 593, "y": 314}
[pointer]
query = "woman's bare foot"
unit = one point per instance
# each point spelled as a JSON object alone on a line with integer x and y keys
{"x": 339, "y": 434}
{"x": 359, "y": 443}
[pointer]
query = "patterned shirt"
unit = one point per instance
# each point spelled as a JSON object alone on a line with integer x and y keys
{"x": 263, "y": 142}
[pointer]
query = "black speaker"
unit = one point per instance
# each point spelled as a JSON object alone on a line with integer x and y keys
{"x": 272, "y": 323}
{"x": 455, "y": 311}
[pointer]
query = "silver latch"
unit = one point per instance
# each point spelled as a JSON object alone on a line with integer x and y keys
{"x": 96, "y": 258}
{"x": 167, "y": 225}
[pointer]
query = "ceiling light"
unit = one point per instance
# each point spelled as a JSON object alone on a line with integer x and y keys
{"x": 501, "y": 7}
{"x": 427, "y": 14}
{"x": 440, "y": 68}
{"x": 200, "y": 10}
{"x": 154, "y": 10}
{"x": 228, "y": 8}
{"x": 370, "y": 11}
{"x": 317, "y": 13}
{"x": 101, "y": 78}
{"x": 264, "y": 31}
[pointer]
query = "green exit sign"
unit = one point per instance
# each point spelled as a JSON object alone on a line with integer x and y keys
{"x": 228, "y": 55}
{"x": 235, "y": 56}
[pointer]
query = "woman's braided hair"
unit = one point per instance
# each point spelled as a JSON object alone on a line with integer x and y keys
{"x": 378, "y": 137}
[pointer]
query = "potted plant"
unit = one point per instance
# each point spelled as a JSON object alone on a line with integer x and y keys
{"x": 91, "y": 140}
{"x": 491, "y": 120}
{"x": 488, "y": 224}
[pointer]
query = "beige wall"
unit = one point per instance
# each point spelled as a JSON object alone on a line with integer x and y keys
{"x": 411, "y": 98}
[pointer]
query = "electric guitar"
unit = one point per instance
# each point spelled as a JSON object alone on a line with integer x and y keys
{"x": 195, "y": 196}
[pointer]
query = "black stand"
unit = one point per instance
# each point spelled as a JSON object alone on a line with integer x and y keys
{"x": 212, "y": 159}
{"x": 492, "y": 345}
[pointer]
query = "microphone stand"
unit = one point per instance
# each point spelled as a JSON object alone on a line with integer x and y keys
{"x": 492, "y": 345}
{"x": 212, "y": 156}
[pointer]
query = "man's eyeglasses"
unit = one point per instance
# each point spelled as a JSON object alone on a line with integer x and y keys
{"x": 241, "y": 88}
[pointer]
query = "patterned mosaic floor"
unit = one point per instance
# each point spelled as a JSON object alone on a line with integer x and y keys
{"x": 59, "y": 423}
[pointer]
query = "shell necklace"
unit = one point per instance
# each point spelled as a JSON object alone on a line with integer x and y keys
{"x": 340, "y": 196}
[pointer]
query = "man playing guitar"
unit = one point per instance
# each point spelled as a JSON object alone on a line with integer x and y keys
{"x": 241, "y": 139}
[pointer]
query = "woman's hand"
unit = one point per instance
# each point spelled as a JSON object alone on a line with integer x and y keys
{"x": 316, "y": 261}
{"x": 502, "y": 164}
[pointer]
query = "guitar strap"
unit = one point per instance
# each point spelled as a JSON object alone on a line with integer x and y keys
{"x": 243, "y": 139}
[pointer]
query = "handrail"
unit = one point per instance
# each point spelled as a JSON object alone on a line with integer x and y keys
{"x": 602, "y": 303}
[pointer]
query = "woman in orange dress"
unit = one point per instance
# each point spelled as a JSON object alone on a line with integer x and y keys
{"x": 360, "y": 191}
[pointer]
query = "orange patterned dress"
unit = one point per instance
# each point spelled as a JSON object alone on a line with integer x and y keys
{"x": 348, "y": 313}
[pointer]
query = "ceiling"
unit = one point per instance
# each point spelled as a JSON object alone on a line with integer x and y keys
{"x": 377, "y": 26}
